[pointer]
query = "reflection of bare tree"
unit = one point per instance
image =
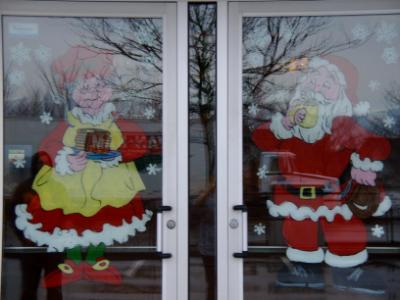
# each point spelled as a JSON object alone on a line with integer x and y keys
{"x": 393, "y": 94}
{"x": 136, "y": 43}
{"x": 272, "y": 46}
{"x": 202, "y": 46}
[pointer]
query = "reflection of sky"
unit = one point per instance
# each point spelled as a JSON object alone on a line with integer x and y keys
{"x": 368, "y": 58}
{"x": 46, "y": 38}
{"x": 54, "y": 34}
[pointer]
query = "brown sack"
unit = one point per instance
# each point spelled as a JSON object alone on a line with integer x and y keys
{"x": 363, "y": 200}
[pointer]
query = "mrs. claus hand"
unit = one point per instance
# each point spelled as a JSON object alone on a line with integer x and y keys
{"x": 363, "y": 177}
{"x": 77, "y": 162}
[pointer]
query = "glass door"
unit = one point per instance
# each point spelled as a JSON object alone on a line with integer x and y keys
{"x": 90, "y": 199}
{"x": 316, "y": 151}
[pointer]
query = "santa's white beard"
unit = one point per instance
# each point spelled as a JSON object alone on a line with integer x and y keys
{"x": 327, "y": 111}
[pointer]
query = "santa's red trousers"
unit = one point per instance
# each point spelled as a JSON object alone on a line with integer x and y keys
{"x": 342, "y": 237}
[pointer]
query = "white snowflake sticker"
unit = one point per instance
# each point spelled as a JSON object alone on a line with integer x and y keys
{"x": 386, "y": 33}
{"x": 43, "y": 54}
{"x": 374, "y": 85}
{"x": 253, "y": 109}
{"x": 389, "y": 122}
{"x": 17, "y": 78}
{"x": 152, "y": 169}
{"x": 259, "y": 228}
{"x": 149, "y": 113}
{"x": 262, "y": 172}
{"x": 20, "y": 54}
{"x": 46, "y": 118}
{"x": 19, "y": 163}
{"x": 360, "y": 32}
{"x": 390, "y": 56}
{"x": 378, "y": 231}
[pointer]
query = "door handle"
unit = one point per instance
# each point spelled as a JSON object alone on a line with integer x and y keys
{"x": 243, "y": 254}
{"x": 159, "y": 246}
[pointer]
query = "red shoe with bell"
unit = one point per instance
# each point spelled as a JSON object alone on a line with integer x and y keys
{"x": 102, "y": 271}
{"x": 67, "y": 272}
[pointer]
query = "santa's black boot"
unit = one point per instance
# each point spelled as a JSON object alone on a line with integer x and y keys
{"x": 358, "y": 279}
{"x": 296, "y": 274}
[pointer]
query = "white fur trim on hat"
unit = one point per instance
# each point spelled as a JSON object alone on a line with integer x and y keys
{"x": 103, "y": 115}
{"x": 346, "y": 261}
{"x": 311, "y": 257}
{"x": 62, "y": 164}
{"x": 366, "y": 164}
{"x": 383, "y": 207}
{"x": 317, "y": 62}
{"x": 59, "y": 239}
{"x": 278, "y": 129}
{"x": 288, "y": 209}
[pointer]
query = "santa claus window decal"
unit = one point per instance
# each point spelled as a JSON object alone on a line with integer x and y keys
{"x": 321, "y": 107}
{"x": 82, "y": 115}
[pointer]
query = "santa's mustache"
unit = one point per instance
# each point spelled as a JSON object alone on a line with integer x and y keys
{"x": 309, "y": 97}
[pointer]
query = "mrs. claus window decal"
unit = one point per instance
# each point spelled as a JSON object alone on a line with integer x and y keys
{"x": 87, "y": 193}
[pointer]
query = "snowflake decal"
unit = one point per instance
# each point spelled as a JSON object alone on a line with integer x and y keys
{"x": 262, "y": 172}
{"x": 253, "y": 109}
{"x": 378, "y": 231}
{"x": 19, "y": 163}
{"x": 259, "y": 228}
{"x": 149, "y": 113}
{"x": 43, "y": 54}
{"x": 374, "y": 85}
{"x": 46, "y": 118}
{"x": 360, "y": 32}
{"x": 152, "y": 169}
{"x": 390, "y": 55}
{"x": 389, "y": 122}
{"x": 386, "y": 33}
{"x": 20, "y": 54}
{"x": 17, "y": 78}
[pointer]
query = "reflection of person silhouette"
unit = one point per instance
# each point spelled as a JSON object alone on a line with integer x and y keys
{"x": 34, "y": 263}
{"x": 324, "y": 139}
{"x": 206, "y": 201}
{"x": 88, "y": 189}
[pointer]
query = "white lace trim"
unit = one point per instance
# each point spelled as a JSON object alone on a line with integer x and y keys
{"x": 59, "y": 239}
{"x": 62, "y": 164}
{"x": 346, "y": 261}
{"x": 278, "y": 129}
{"x": 301, "y": 213}
{"x": 97, "y": 119}
{"x": 366, "y": 164}
{"x": 111, "y": 163}
{"x": 311, "y": 257}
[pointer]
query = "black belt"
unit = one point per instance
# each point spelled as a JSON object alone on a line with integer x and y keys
{"x": 307, "y": 192}
{"x": 312, "y": 192}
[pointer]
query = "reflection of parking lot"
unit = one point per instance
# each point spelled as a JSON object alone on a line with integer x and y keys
{"x": 260, "y": 275}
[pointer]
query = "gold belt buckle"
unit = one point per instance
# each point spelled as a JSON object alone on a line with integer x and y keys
{"x": 311, "y": 192}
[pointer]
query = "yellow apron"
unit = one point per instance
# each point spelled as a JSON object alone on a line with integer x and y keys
{"x": 88, "y": 191}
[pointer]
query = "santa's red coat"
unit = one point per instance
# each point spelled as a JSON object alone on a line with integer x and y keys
{"x": 313, "y": 164}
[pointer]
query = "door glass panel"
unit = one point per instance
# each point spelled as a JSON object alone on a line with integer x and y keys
{"x": 82, "y": 157}
{"x": 321, "y": 108}
{"x": 202, "y": 151}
